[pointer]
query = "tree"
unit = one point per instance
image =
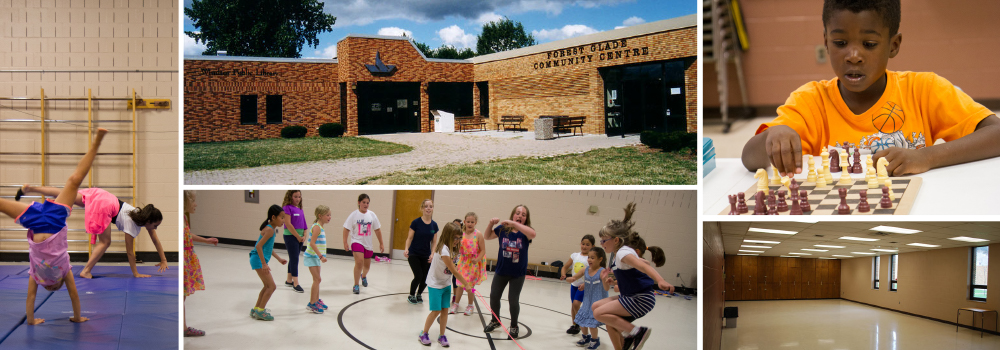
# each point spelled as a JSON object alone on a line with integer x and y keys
{"x": 426, "y": 50}
{"x": 503, "y": 35}
{"x": 263, "y": 28}
{"x": 450, "y": 52}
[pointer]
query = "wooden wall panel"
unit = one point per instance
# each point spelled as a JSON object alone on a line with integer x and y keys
{"x": 776, "y": 278}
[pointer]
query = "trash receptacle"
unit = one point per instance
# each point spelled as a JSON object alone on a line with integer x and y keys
{"x": 730, "y": 314}
{"x": 543, "y": 129}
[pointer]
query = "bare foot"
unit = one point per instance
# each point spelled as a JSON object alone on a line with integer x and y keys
{"x": 79, "y": 320}
{"x": 86, "y": 274}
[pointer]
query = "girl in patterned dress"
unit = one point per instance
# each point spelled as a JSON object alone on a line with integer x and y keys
{"x": 192, "y": 267}
{"x": 593, "y": 290}
{"x": 471, "y": 260}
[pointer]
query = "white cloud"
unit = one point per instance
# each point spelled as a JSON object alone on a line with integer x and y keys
{"x": 567, "y": 31}
{"x": 457, "y": 37}
{"x": 488, "y": 17}
{"x": 327, "y": 53}
{"x": 395, "y": 31}
{"x": 192, "y": 48}
{"x": 631, "y": 21}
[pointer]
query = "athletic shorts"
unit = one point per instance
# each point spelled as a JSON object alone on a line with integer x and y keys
{"x": 439, "y": 299}
{"x": 255, "y": 262}
{"x": 44, "y": 217}
{"x": 311, "y": 261}
{"x": 638, "y": 305}
{"x": 575, "y": 294}
{"x": 357, "y": 247}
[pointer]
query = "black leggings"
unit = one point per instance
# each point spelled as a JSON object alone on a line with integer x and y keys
{"x": 420, "y": 267}
{"x": 496, "y": 292}
{"x": 293, "y": 246}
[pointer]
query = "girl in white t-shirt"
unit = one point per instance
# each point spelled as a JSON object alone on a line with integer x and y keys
{"x": 358, "y": 231}
{"x": 439, "y": 282}
{"x": 577, "y": 262}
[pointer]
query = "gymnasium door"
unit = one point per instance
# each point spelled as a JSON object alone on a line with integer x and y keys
{"x": 388, "y": 107}
{"x": 406, "y": 208}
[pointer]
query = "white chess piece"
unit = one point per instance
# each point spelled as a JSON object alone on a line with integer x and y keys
{"x": 821, "y": 179}
{"x": 888, "y": 183}
{"x": 761, "y": 177}
{"x": 872, "y": 179}
{"x": 775, "y": 180}
{"x": 812, "y": 170}
{"x": 883, "y": 174}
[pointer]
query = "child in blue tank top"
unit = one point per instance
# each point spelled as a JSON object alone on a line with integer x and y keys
{"x": 259, "y": 257}
{"x": 316, "y": 254}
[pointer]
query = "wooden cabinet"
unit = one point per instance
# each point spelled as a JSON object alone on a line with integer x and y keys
{"x": 776, "y": 278}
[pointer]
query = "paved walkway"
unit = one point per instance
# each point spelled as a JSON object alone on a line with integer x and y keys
{"x": 429, "y": 150}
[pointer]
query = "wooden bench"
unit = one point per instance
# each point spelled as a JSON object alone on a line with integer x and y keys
{"x": 470, "y": 123}
{"x": 568, "y": 124}
{"x": 510, "y": 122}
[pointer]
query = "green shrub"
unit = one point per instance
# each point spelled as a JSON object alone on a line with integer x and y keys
{"x": 294, "y": 132}
{"x": 331, "y": 130}
{"x": 670, "y": 142}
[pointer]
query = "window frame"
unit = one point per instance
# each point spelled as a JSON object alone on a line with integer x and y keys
{"x": 972, "y": 274}
{"x": 274, "y": 108}
{"x": 893, "y": 271}
{"x": 875, "y": 271}
{"x": 246, "y": 112}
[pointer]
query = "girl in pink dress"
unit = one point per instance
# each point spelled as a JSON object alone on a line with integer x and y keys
{"x": 471, "y": 261}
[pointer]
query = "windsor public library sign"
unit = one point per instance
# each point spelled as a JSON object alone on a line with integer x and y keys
{"x": 603, "y": 51}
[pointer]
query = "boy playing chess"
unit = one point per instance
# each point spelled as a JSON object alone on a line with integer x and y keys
{"x": 895, "y": 115}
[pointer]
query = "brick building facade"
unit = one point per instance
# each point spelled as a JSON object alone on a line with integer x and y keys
{"x": 623, "y": 81}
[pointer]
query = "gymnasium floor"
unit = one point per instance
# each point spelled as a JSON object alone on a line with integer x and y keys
{"x": 380, "y": 317}
{"x": 124, "y": 312}
{"x": 841, "y": 324}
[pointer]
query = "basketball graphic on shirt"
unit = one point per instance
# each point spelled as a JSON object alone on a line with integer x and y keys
{"x": 889, "y": 118}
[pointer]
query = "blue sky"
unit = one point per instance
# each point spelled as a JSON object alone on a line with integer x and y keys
{"x": 457, "y": 22}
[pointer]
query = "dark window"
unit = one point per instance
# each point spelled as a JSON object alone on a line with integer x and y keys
{"x": 484, "y": 98}
{"x": 980, "y": 263}
{"x": 893, "y": 270}
{"x": 274, "y": 109}
{"x": 248, "y": 109}
{"x": 343, "y": 105}
{"x": 875, "y": 271}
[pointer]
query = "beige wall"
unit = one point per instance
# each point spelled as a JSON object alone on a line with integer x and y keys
{"x": 665, "y": 218}
{"x": 956, "y": 39}
{"x": 932, "y": 283}
{"x": 82, "y": 37}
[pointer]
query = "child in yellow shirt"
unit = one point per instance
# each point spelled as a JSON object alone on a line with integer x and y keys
{"x": 895, "y": 115}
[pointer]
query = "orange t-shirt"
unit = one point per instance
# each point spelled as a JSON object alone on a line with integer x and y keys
{"x": 915, "y": 110}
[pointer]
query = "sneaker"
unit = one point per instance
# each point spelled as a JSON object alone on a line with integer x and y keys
{"x": 420, "y": 299}
{"x": 357, "y": 290}
{"x": 411, "y": 299}
{"x": 191, "y": 332}
{"x": 17, "y": 196}
{"x": 424, "y": 339}
{"x": 364, "y": 281}
{"x": 314, "y": 308}
{"x": 513, "y": 333}
{"x": 574, "y": 329}
{"x": 298, "y": 289}
{"x": 320, "y": 303}
{"x": 253, "y": 312}
{"x": 627, "y": 343}
{"x": 290, "y": 284}
{"x": 468, "y": 311}
{"x": 264, "y": 315}
{"x": 491, "y": 327}
{"x": 585, "y": 341}
{"x": 453, "y": 309}
{"x": 594, "y": 344}
{"x": 639, "y": 339}
{"x": 443, "y": 341}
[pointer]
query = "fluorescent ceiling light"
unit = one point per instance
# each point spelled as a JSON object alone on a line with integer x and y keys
{"x": 829, "y": 258}
{"x": 755, "y": 246}
{"x": 748, "y": 254}
{"x": 797, "y": 253}
{"x": 750, "y": 251}
{"x": 886, "y": 250}
{"x": 859, "y": 239}
{"x": 863, "y": 253}
{"x": 764, "y": 230}
{"x": 968, "y": 239}
{"x": 756, "y": 241}
{"x": 789, "y": 256}
{"x": 815, "y": 250}
{"x": 843, "y": 256}
{"x": 828, "y": 246}
{"x": 924, "y": 245}
{"x": 895, "y": 230}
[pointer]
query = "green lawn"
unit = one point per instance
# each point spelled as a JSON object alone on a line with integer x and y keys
{"x": 255, "y": 153}
{"x": 610, "y": 166}
{"x": 979, "y": 293}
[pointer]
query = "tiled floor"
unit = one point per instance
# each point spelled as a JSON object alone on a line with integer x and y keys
{"x": 840, "y": 324}
{"x": 380, "y": 316}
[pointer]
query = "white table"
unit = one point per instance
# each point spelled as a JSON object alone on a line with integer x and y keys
{"x": 964, "y": 189}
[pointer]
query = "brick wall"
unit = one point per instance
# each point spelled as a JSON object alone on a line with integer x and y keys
{"x": 310, "y": 97}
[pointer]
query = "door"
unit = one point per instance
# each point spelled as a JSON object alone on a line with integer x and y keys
{"x": 613, "y": 115}
{"x": 406, "y": 208}
{"x": 807, "y": 280}
{"x": 388, "y": 107}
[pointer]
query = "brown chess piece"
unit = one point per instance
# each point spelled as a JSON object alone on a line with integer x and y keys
{"x": 805, "y": 207}
{"x": 857, "y": 168}
{"x": 796, "y": 209}
{"x": 741, "y": 204}
{"x": 843, "y": 209}
{"x": 886, "y": 203}
{"x": 863, "y": 206}
{"x": 732, "y": 205}
{"x": 772, "y": 207}
{"x": 834, "y": 161}
{"x": 759, "y": 207}
{"x": 782, "y": 204}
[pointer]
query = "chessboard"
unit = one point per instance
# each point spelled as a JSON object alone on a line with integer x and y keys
{"x": 825, "y": 201}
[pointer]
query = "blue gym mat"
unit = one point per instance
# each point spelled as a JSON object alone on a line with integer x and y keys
{"x": 124, "y": 312}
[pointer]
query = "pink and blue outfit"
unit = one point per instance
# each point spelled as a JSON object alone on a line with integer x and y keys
{"x": 49, "y": 259}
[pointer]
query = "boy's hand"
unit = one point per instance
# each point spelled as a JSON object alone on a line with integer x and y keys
{"x": 784, "y": 149}
{"x": 79, "y": 320}
{"x": 903, "y": 161}
{"x": 35, "y": 321}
